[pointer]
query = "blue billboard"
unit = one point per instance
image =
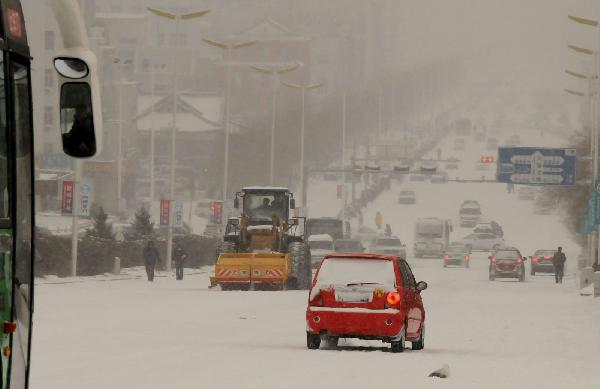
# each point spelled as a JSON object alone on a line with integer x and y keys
{"x": 536, "y": 166}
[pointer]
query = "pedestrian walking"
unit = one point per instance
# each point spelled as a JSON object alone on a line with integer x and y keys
{"x": 558, "y": 260}
{"x": 379, "y": 220}
{"x": 179, "y": 257}
{"x": 151, "y": 259}
{"x": 388, "y": 230}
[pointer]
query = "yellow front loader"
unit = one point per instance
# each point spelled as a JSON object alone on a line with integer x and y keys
{"x": 263, "y": 248}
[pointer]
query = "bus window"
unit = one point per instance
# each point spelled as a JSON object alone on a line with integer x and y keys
{"x": 4, "y": 157}
{"x": 23, "y": 216}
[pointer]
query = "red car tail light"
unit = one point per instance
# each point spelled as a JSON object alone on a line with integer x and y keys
{"x": 535, "y": 260}
{"x": 493, "y": 259}
{"x": 467, "y": 258}
{"x": 393, "y": 298}
{"x": 446, "y": 256}
{"x": 519, "y": 260}
{"x": 547, "y": 257}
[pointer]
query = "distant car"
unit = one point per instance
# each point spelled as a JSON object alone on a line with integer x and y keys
{"x": 541, "y": 261}
{"x": 330, "y": 176}
{"x": 439, "y": 178}
{"x": 402, "y": 167}
{"x": 388, "y": 245}
{"x": 491, "y": 227}
{"x": 459, "y": 144}
{"x": 365, "y": 234}
{"x": 526, "y": 193}
{"x": 452, "y": 164}
{"x": 428, "y": 167}
{"x": 348, "y": 246}
{"x": 472, "y": 203}
{"x": 407, "y": 196}
{"x": 492, "y": 143}
{"x": 416, "y": 177}
{"x": 507, "y": 262}
{"x": 365, "y": 296}
{"x": 457, "y": 254}
{"x": 320, "y": 246}
{"x": 469, "y": 214}
{"x": 482, "y": 242}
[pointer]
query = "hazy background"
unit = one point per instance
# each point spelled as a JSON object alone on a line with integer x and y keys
{"x": 424, "y": 59}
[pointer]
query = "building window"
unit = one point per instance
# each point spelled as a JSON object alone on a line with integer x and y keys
{"x": 49, "y": 78}
{"x": 49, "y": 116}
{"x": 49, "y": 40}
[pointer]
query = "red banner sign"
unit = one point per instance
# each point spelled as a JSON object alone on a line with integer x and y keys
{"x": 217, "y": 211}
{"x": 67, "y": 197}
{"x": 165, "y": 208}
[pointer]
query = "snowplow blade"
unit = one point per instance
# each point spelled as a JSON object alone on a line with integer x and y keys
{"x": 251, "y": 270}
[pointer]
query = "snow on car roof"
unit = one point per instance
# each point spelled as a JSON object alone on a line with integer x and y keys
{"x": 320, "y": 238}
{"x": 265, "y": 188}
{"x": 362, "y": 256}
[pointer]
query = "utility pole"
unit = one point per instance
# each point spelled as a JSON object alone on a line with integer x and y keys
{"x": 176, "y": 19}
{"x": 275, "y": 73}
{"x": 228, "y": 47}
{"x": 75, "y": 218}
{"x": 303, "y": 89}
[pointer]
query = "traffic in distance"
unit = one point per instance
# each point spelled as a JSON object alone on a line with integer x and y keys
{"x": 284, "y": 194}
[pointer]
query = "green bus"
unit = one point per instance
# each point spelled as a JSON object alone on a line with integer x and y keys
{"x": 78, "y": 106}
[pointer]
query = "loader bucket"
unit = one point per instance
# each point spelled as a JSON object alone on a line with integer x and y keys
{"x": 249, "y": 270}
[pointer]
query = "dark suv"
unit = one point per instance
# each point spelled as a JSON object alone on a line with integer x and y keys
{"x": 541, "y": 261}
{"x": 507, "y": 263}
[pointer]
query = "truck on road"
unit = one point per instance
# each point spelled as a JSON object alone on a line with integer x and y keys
{"x": 432, "y": 236}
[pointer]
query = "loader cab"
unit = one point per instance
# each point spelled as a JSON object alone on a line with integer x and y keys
{"x": 260, "y": 204}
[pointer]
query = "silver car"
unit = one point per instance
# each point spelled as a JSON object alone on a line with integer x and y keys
{"x": 482, "y": 242}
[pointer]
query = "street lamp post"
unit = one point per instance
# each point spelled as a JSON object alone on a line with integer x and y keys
{"x": 303, "y": 89}
{"x": 593, "y": 136}
{"x": 228, "y": 47}
{"x": 344, "y": 194}
{"x": 176, "y": 19}
{"x": 595, "y": 131}
{"x": 274, "y": 72}
{"x": 120, "y": 64}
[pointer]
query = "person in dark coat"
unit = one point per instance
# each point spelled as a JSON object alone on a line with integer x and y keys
{"x": 179, "y": 258}
{"x": 388, "y": 230}
{"x": 151, "y": 259}
{"x": 558, "y": 261}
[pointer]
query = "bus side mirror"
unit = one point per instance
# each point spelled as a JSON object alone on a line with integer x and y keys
{"x": 236, "y": 203}
{"x": 80, "y": 113}
{"x": 292, "y": 203}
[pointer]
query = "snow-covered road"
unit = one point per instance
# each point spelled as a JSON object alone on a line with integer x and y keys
{"x": 169, "y": 334}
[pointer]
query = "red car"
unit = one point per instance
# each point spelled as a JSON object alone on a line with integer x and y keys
{"x": 365, "y": 296}
{"x": 507, "y": 262}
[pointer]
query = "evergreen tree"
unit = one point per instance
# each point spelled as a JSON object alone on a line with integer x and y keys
{"x": 141, "y": 223}
{"x": 102, "y": 228}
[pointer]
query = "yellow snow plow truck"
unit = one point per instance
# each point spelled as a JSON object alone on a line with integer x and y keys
{"x": 264, "y": 248}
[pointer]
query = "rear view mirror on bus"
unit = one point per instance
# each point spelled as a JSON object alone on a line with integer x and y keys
{"x": 77, "y": 120}
{"x": 73, "y": 68}
{"x": 80, "y": 118}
